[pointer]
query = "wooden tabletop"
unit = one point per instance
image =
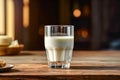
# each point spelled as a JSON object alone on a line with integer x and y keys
{"x": 85, "y": 65}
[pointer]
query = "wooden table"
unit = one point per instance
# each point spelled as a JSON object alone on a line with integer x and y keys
{"x": 86, "y": 65}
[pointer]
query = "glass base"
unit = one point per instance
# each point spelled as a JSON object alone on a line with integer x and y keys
{"x": 59, "y": 64}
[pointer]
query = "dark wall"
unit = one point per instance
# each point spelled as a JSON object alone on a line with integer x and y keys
{"x": 18, "y": 21}
{"x": 42, "y": 12}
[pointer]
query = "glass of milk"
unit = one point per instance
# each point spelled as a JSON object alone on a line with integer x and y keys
{"x": 59, "y": 43}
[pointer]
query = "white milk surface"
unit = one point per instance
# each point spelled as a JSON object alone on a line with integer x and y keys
{"x": 59, "y": 48}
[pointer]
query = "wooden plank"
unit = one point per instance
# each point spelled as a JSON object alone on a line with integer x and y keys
{"x": 85, "y": 58}
{"x": 86, "y": 65}
{"x": 63, "y": 78}
{"x": 37, "y": 70}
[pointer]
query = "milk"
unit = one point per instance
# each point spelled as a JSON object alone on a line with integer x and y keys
{"x": 59, "y": 48}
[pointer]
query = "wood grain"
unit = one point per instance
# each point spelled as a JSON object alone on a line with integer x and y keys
{"x": 86, "y": 65}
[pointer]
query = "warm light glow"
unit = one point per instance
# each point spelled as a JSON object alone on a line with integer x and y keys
{"x": 10, "y": 18}
{"x": 25, "y": 13}
{"x": 2, "y": 19}
{"x": 84, "y": 33}
{"x": 26, "y": 2}
{"x": 86, "y": 10}
{"x": 77, "y": 13}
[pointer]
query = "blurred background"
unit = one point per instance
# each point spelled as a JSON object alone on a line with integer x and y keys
{"x": 97, "y": 22}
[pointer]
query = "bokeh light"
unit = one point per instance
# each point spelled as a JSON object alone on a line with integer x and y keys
{"x": 77, "y": 13}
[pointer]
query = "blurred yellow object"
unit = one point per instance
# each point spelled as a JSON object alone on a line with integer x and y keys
{"x": 10, "y": 50}
{"x": 5, "y": 41}
{"x": 2, "y": 63}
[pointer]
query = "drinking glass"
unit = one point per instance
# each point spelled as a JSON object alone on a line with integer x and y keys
{"x": 59, "y": 43}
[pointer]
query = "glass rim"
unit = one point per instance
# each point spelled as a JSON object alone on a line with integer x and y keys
{"x": 57, "y": 25}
